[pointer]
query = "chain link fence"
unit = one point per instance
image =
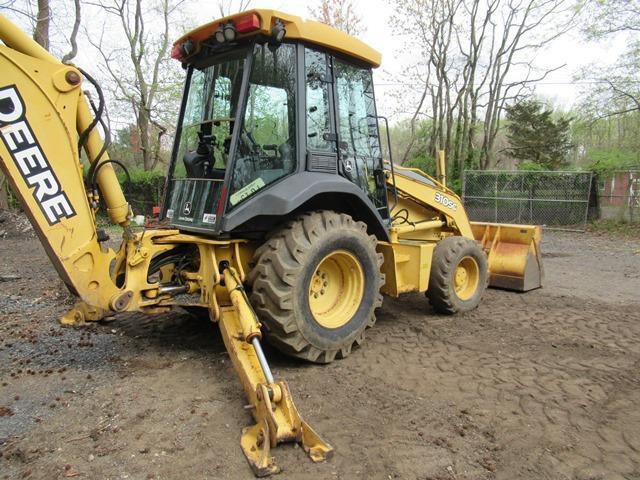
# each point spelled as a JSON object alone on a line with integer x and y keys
{"x": 619, "y": 194}
{"x": 549, "y": 198}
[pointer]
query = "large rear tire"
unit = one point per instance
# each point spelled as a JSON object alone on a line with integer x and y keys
{"x": 458, "y": 275}
{"x": 316, "y": 284}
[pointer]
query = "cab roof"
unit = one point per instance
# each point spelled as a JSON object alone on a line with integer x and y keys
{"x": 296, "y": 28}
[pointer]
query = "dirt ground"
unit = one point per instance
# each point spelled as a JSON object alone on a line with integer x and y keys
{"x": 543, "y": 385}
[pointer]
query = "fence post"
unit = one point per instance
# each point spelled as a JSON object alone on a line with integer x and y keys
{"x": 495, "y": 196}
{"x": 586, "y": 210}
{"x": 634, "y": 195}
{"x": 464, "y": 183}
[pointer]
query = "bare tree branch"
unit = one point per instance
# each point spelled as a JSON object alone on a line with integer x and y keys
{"x": 228, "y": 7}
{"x": 139, "y": 69}
{"x": 74, "y": 34}
{"x": 339, "y": 14}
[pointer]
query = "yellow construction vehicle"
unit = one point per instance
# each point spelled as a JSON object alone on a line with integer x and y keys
{"x": 283, "y": 221}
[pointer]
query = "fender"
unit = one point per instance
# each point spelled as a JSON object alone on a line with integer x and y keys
{"x": 292, "y": 192}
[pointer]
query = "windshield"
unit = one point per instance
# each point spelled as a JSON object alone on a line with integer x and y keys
{"x": 209, "y": 117}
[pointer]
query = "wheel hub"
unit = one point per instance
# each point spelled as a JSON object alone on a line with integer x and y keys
{"x": 336, "y": 289}
{"x": 462, "y": 277}
{"x": 466, "y": 278}
{"x": 319, "y": 282}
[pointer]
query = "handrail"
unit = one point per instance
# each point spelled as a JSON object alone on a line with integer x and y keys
{"x": 393, "y": 175}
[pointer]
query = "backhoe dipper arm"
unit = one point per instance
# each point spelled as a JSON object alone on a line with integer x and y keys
{"x": 42, "y": 109}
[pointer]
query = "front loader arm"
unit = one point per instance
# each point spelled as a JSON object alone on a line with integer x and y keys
{"x": 430, "y": 206}
{"x": 514, "y": 257}
{"x": 42, "y": 109}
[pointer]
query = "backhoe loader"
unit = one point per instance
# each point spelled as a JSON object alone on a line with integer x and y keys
{"x": 281, "y": 219}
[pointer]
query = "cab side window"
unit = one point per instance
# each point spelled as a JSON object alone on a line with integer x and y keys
{"x": 266, "y": 150}
{"x": 317, "y": 78}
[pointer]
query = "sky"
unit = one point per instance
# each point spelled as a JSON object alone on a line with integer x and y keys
{"x": 558, "y": 88}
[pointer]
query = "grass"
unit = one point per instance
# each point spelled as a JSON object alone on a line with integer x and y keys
{"x": 617, "y": 228}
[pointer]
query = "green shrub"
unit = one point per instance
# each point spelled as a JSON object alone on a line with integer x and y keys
{"x": 144, "y": 191}
{"x": 422, "y": 162}
{"x": 608, "y": 160}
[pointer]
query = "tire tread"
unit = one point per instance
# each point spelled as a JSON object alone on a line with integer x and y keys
{"x": 277, "y": 265}
{"x": 440, "y": 293}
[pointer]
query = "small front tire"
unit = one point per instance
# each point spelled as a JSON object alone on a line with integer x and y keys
{"x": 458, "y": 275}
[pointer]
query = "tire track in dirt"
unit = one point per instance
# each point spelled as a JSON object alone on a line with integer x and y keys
{"x": 555, "y": 379}
{"x": 533, "y": 386}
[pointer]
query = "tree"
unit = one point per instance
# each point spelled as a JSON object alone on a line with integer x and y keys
{"x": 616, "y": 90}
{"x": 43, "y": 19}
{"x": 474, "y": 56}
{"x": 339, "y": 14}
{"x": 125, "y": 144}
{"x": 606, "y": 17}
{"x": 142, "y": 76}
{"x": 48, "y": 23}
{"x": 535, "y": 137}
{"x": 608, "y": 130}
{"x": 74, "y": 34}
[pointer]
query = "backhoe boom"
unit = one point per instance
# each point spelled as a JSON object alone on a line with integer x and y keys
{"x": 42, "y": 106}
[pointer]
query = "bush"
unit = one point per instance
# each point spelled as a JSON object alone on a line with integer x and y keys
{"x": 530, "y": 166}
{"x": 605, "y": 161}
{"x": 422, "y": 162}
{"x": 144, "y": 191}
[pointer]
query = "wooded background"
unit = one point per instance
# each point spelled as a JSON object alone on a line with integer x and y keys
{"x": 468, "y": 88}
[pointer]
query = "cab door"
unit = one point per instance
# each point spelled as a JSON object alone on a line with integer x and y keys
{"x": 359, "y": 152}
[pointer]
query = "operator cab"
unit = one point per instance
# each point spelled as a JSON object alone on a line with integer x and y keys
{"x": 267, "y": 117}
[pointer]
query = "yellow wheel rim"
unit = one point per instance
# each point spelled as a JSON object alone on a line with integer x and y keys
{"x": 336, "y": 289}
{"x": 466, "y": 278}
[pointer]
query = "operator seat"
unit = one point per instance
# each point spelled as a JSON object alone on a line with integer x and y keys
{"x": 196, "y": 164}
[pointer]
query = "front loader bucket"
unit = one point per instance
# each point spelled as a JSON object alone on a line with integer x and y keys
{"x": 515, "y": 261}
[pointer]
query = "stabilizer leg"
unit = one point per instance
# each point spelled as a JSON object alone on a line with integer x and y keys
{"x": 277, "y": 418}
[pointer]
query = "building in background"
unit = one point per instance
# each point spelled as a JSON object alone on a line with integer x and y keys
{"x": 620, "y": 196}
